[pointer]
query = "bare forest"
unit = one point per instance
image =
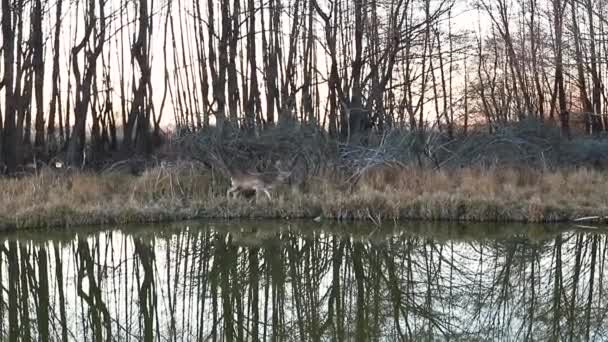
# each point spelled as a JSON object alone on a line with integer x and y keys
{"x": 97, "y": 79}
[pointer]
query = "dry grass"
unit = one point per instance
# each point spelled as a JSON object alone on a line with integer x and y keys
{"x": 184, "y": 191}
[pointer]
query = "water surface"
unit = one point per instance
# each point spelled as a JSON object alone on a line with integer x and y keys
{"x": 304, "y": 282}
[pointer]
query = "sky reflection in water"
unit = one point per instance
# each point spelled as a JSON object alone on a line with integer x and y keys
{"x": 305, "y": 282}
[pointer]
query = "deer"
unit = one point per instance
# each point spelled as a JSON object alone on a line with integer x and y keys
{"x": 247, "y": 182}
{"x": 242, "y": 182}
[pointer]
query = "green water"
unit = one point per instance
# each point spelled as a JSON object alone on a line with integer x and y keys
{"x": 283, "y": 281}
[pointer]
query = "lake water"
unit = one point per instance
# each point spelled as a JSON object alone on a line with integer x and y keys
{"x": 299, "y": 281}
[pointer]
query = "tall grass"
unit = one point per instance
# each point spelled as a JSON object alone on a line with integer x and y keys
{"x": 187, "y": 190}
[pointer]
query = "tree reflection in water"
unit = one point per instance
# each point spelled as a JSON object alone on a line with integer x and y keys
{"x": 272, "y": 282}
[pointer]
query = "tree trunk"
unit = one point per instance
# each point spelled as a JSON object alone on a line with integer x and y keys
{"x": 596, "y": 120}
{"x": 587, "y": 107}
{"x": 358, "y": 118}
{"x": 253, "y": 103}
{"x": 200, "y": 52}
{"x": 83, "y": 85}
{"x": 217, "y": 85}
{"x": 219, "y": 88}
{"x": 38, "y": 52}
{"x": 137, "y": 132}
{"x": 9, "y": 136}
{"x": 558, "y": 13}
{"x": 233, "y": 38}
{"x": 55, "y": 78}
{"x": 540, "y": 106}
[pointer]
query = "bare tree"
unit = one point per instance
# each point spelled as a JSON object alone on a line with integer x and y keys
{"x": 580, "y": 68}
{"x": 84, "y": 80}
{"x": 9, "y": 135}
{"x": 55, "y": 105}
{"x": 253, "y": 105}
{"x": 38, "y": 61}
{"x": 559, "y": 7}
{"x": 138, "y": 122}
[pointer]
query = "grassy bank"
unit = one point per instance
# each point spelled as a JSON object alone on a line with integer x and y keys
{"x": 189, "y": 191}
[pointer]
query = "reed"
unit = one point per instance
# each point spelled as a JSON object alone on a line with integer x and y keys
{"x": 52, "y": 199}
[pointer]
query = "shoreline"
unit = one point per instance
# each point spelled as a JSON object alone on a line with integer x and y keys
{"x": 249, "y": 231}
{"x": 49, "y": 219}
{"x": 51, "y": 200}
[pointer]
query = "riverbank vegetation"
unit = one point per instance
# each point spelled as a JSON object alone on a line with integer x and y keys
{"x": 381, "y": 110}
{"x": 517, "y": 174}
{"x": 183, "y": 192}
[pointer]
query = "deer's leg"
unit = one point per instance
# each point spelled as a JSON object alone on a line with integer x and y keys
{"x": 230, "y": 193}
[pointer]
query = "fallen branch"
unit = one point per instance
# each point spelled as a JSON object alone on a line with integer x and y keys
{"x": 591, "y": 218}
